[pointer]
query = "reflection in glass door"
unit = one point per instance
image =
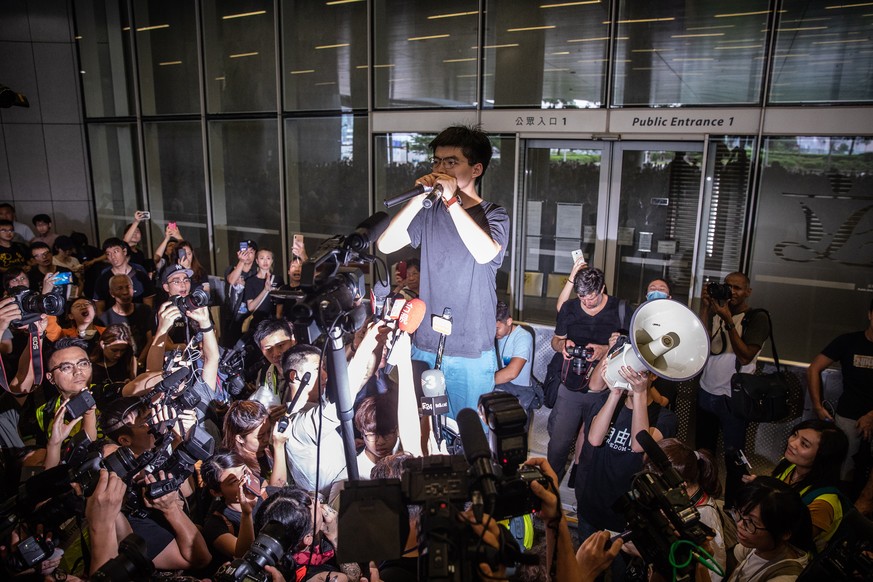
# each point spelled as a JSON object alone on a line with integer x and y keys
{"x": 654, "y": 204}
{"x": 563, "y": 206}
{"x": 631, "y": 207}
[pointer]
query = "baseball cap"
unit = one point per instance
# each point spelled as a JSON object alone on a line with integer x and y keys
{"x": 172, "y": 270}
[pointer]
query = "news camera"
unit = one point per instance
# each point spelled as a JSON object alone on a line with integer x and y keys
{"x": 659, "y": 514}
{"x": 331, "y": 290}
{"x": 487, "y": 476}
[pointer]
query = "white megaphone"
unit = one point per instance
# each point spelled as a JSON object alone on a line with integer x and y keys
{"x": 666, "y": 338}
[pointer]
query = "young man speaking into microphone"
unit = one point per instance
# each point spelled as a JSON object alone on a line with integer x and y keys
{"x": 462, "y": 240}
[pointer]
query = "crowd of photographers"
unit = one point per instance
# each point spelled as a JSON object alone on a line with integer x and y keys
{"x": 138, "y": 444}
{"x": 133, "y": 443}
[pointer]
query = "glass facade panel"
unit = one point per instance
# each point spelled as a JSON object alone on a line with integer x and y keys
{"x": 674, "y": 53}
{"x": 244, "y": 161}
{"x": 657, "y": 219}
{"x": 813, "y": 242}
{"x": 103, "y": 36}
{"x": 115, "y": 171}
{"x": 177, "y": 189}
{"x": 720, "y": 250}
{"x": 166, "y": 45}
{"x": 823, "y": 53}
{"x": 240, "y": 41}
{"x": 326, "y": 175}
{"x": 563, "y": 186}
{"x": 543, "y": 55}
{"x": 425, "y": 53}
{"x": 325, "y": 66}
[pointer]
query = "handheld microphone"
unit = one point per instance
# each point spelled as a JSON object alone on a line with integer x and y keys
{"x": 434, "y": 403}
{"x": 286, "y": 419}
{"x": 443, "y": 326}
{"x": 478, "y": 455}
{"x": 378, "y": 295}
{"x": 410, "y": 318}
{"x": 408, "y": 195}
{"x": 432, "y": 196}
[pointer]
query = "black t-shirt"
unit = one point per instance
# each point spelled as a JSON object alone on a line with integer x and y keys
{"x": 15, "y": 255}
{"x": 142, "y": 285}
{"x": 140, "y": 322}
{"x": 574, "y": 323}
{"x": 220, "y": 521}
{"x": 254, "y": 286}
{"x": 155, "y": 530}
{"x": 606, "y": 472}
{"x": 854, "y": 352}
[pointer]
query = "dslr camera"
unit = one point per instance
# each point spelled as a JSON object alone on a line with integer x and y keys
{"x": 581, "y": 359}
{"x": 720, "y": 291}
{"x": 33, "y": 304}
{"x": 197, "y": 298}
{"x": 267, "y": 550}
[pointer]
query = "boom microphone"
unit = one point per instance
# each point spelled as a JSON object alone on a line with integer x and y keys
{"x": 410, "y": 318}
{"x": 659, "y": 458}
{"x": 478, "y": 455}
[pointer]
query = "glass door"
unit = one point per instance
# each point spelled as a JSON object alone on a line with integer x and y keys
{"x": 631, "y": 207}
{"x": 654, "y": 204}
{"x": 564, "y": 210}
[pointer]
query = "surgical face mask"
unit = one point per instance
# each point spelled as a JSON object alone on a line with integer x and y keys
{"x": 655, "y": 295}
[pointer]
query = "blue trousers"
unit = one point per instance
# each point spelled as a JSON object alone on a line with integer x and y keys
{"x": 466, "y": 378}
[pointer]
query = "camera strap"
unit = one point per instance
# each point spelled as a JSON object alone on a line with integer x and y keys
{"x": 35, "y": 348}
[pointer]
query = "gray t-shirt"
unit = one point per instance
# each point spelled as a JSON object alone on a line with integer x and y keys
{"x": 451, "y": 277}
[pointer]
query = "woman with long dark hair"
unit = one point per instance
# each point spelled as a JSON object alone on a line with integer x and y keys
{"x": 258, "y": 288}
{"x": 183, "y": 254}
{"x": 811, "y": 465}
{"x": 229, "y": 529}
{"x": 249, "y": 433}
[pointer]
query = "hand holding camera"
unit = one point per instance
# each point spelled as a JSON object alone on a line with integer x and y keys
{"x": 61, "y": 429}
{"x": 167, "y": 315}
{"x": 104, "y": 504}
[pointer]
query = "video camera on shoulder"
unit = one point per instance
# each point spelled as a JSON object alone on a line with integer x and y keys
{"x": 659, "y": 513}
